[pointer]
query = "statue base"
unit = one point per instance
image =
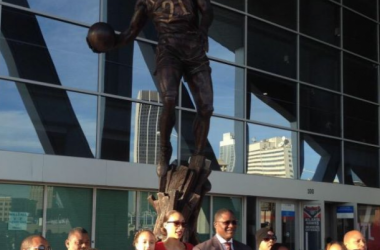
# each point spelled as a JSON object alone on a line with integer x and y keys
{"x": 184, "y": 192}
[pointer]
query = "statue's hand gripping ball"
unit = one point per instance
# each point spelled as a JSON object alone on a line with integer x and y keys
{"x": 101, "y": 37}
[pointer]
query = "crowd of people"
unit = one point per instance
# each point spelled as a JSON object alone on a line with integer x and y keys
{"x": 173, "y": 229}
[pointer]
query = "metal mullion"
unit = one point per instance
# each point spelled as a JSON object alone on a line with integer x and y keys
{"x": 298, "y": 99}
{"x": 44, "y": 209}
{"x": 93, "y": 228}
{"x": 342, "y": 94}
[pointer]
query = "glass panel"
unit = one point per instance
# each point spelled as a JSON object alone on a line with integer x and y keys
{"x": 320, "y": 64}
{"x": 271, "y": 100}
{"x": 359, "y": 35}
{"x": 226, "y": 36}
{"x": 281, "y": 12}
{"x": 237, "y": 4}
{"x": 320, "y": 111}
{"x": 148, "y": 214}
{"x": 224, "y": 146}
{"x": 272, "y": 152}
{"x": 64, "y": 213}
{"x": 234, "y": 204}
{"x": 20, "y": 213}
{"x": 321, "y": 159}
{"x": 326, "y": 28}
{"x": 84, "y": 11}
{"x": 115, "y": 218}
{"x": 119, "y": 14}
{"x": 130, "y": 130}
{"x": 62, "y": 59}
{"x": 271, "y": 48}
{"x": 361, "y": 121}
{"x": 361, "y": 165}
{"x": 366, "y": 7}
{"x": 369, "y": 223}
{"x": 130, "y": 70}
{"x": 48, "y": 120}
{"x": 288, "y": 225}
{"x": 267, "y": 214}
{"x": 358, "y": 73}
{"x": 204, "y": 220}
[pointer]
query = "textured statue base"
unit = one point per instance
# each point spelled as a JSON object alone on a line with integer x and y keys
{"x": 184, "y": 192}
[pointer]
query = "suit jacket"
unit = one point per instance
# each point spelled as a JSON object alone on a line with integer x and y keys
{"x": 214, "y": 244}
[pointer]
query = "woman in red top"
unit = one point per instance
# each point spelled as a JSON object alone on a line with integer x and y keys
{"x": 173, "y": 229}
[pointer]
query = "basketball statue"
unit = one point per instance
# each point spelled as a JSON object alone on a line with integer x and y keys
{"x": 181, "y": 52}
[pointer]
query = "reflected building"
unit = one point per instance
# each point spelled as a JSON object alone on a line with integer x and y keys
{"x": 227, "y": 152}
{"x": 5, "y": 207}
{"x": 147, "y": 137}
{"x": 271, "y": 157}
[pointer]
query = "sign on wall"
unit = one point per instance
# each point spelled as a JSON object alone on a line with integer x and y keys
{"x": 312, "y": 227}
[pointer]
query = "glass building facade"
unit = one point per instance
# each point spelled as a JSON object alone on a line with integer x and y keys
{"x": 296, "y": 121}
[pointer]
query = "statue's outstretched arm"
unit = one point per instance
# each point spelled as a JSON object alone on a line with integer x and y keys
{"x": 139, "y": 19}
{"x": 207, "y": 13}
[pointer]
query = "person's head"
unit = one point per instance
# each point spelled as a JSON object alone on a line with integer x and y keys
{"x": 144, "y": 240}
{"x": 279, "y": 246}
{"x": 78, "y": 239}
{"x": 174, "y": 224}
{"x": 354, "y": 240}
{"x": 35, "y": 242}
{"x": 336, "y": 245}
{"x": 225, "y": 223}
{"x": 265, "y": 238}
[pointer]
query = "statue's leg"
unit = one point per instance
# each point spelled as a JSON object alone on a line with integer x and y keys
{"x": 169, "y": 79}
{"x": 200, "y": 85}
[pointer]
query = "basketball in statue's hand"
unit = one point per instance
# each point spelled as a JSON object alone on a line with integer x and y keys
{"x": 101, "y": 37}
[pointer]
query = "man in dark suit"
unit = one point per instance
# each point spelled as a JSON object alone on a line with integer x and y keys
{"x": 225, "y": 225}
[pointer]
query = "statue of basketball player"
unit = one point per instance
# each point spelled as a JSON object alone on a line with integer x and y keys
{"x": 181, "y": 52}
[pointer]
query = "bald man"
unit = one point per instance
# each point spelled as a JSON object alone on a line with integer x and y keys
{"x": 354, "y": 240}
{"x": 34, "y": 242}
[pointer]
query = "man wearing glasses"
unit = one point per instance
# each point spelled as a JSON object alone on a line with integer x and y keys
{"x": 265, "y": 238}
{"x": 225, "y": 225}
{"x": 35, "y": 242}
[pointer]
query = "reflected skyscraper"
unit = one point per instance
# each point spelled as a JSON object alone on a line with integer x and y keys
{"x": 271, "y": 157}
{"x": 147, "y": 137}
{"x": 227, "y": 151}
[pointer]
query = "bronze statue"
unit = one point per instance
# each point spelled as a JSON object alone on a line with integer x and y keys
{"x": 181, "y": 52}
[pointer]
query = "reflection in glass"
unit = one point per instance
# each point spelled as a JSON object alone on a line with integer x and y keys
{"x": 67, "y": 208}
{"x": 326, "y": 28}
{"x": 204, "y": 220}
{"x": 321, "y": 159}
{"x": 361, "y": 165}
{"x": 20, "y": 213}
{"x": 271, "y": 48}
{"x": 319, "y": 64}
{"x": 320, "y": 111}
{"x": 86, "y": 11}
{"x": 225, "y": 141}
{"x": 267, "y": 214}
{"x": 130, "y": 130}
{"x": 115, "y": 219}
{"x": 361, "y": 121}
{"x": 251, "y": 221}
{"x": 48, "y": 120}
{"x": 369, "y": 222}
{"x": 280, "y": 12}
{"x": 288, "y": 225}
{"x": 62, "y": 59}
{"x": 271, "y": 100}
{"x": 235, "y": 205}
{"x": 272, "y": 152}
{"x": 130, "y": 69}
{"x": 226, "y": 35}
{"x": 359, "y": 35}
{"x": 358, "y": 73}
{"x": 237, "y": 4}
{"x": 365, "y": 7}
{"x": 147, "y": 214}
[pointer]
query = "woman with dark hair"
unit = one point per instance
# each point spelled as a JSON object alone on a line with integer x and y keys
{"x": 144, "y": 240}
{"x": 173, "y": 230}
{"x": 279, "y": 246}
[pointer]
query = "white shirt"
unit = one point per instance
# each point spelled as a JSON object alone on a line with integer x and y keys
{"x": 222, "y": 241}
